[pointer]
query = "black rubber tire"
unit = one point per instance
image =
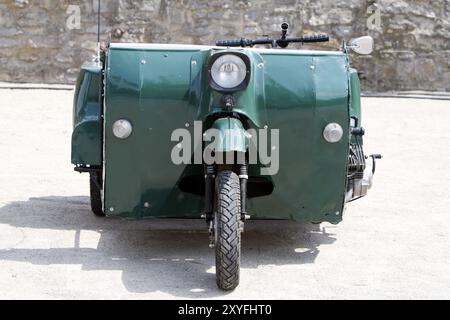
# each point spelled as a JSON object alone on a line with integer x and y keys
{"x": 227, "y": 222}
{"x": 95, "y": 183}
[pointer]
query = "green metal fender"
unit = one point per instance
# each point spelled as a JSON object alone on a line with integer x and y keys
{"x": 87, "y": 121}
{"x": 232, "y": 135}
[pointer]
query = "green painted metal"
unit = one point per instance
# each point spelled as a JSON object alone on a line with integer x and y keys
{"x": 355, "y": 102}
{"x": 87, "y": 122}
{"x": 160, "y": 89}
{"x": 303, "y": 94}
{"x": 232, "y": 135}
{"x": 150, "y": 89}
{"x": 355, "y": 91}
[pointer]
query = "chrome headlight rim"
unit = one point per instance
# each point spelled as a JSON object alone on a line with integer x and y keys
{"x": 243, "y": 85}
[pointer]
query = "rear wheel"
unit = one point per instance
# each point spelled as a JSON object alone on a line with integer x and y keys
{"x": 227, "y": 227}
{"x": 95, "y": 184}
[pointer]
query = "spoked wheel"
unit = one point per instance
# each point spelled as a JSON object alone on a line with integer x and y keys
{"x": 95, "y": 183}
{"x": 227, "y": 229}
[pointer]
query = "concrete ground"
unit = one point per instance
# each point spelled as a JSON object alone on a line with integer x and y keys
{"x": 395, "y": 243}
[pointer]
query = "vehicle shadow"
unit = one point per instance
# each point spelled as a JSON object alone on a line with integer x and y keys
{"x": 170, "y": 256}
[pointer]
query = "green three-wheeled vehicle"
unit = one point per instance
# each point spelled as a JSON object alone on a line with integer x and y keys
{"x": 246, "y": 129}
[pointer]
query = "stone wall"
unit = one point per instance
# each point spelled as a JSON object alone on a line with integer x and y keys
{"x": 47, "y": 40}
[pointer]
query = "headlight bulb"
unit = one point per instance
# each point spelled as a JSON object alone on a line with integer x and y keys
{"x": 228, "y": 71}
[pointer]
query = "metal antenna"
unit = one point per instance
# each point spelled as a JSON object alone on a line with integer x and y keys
{"x": 98, "y": 31}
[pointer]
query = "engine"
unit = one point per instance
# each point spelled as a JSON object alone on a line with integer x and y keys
{"x": 360, "y": 172}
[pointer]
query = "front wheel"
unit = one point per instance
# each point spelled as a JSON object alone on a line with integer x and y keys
{"x": 95, "y": 184}
{"x": 227, "y": 225}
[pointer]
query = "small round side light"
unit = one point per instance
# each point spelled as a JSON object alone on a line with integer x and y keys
{"x": 122, "y": 129}
{"x": 333, "y": 133}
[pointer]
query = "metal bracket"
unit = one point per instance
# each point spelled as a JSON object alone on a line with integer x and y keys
{"x": 82, "y": 169}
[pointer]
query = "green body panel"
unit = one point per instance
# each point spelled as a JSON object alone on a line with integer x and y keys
{"x": 233, "y": 135}
{"x": 87, "y": 122}
{"x": 162, "y": 89}
{"x": 151, "y": 90}
{"x": 355, "y": 101}
{"x": 355, "y": 92}
{"x": 304, "y": 94}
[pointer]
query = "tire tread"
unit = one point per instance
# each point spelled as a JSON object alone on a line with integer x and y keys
{"x": 228, "y": 246}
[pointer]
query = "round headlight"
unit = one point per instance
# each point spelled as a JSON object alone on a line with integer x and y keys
{"x": 333, "y": 133}
{"x": 228, "y": 71}
{"x": 122, "y": 129}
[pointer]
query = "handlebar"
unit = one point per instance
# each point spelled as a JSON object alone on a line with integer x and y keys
{"x": 233, "y": 43}
{"x": 282, "y": 42}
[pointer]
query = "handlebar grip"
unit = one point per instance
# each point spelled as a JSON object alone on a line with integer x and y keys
{"x": 230, "y": 43}
{"x": 316, "y": 38}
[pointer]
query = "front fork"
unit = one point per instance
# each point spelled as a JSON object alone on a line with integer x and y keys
{"x": 210, "y": 176}
{"x": 243, "y": 178}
